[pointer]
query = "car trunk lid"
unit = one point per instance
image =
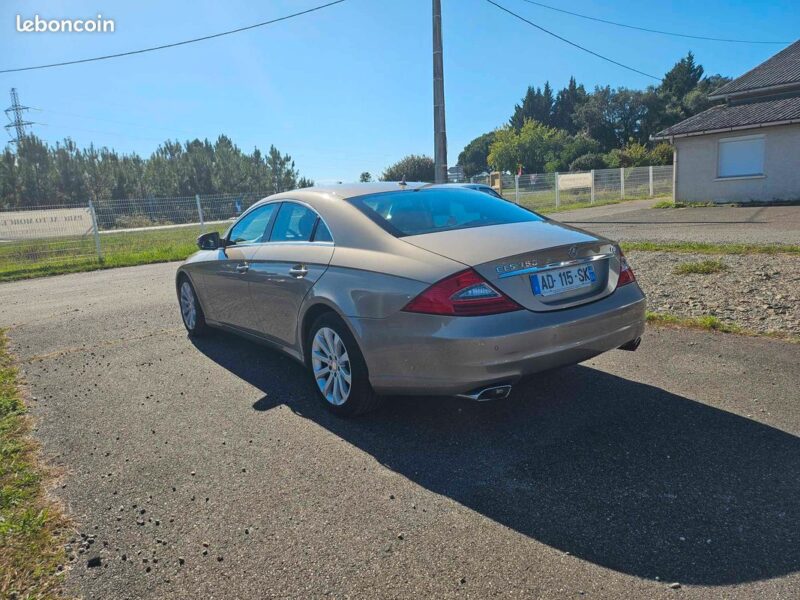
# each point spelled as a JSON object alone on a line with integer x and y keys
{"x": 508, "y": 256}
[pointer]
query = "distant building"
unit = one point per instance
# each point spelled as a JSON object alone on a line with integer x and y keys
{"x": 456, "y": 174}
{"x": 747, "y": 149}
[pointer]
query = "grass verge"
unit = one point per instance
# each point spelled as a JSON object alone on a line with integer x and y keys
{"x": 708, "y": 322}
{"x": 40, "y": 258}
{"x": 712, "y": 323}
{"x": 544, "y": 201}
{"x": 31, "y": 526}
{"x": 705, "y": 248}
{"x": 703, "y": 267}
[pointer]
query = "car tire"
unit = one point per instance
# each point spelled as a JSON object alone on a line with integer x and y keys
{"x": 191, "y": 312}
{"x": 333, "y": 356}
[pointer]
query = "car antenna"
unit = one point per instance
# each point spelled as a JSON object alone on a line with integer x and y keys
{"x": 422, "y": 187}
{"x": 402, "y": 182}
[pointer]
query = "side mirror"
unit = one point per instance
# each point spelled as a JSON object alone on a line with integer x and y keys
{"x": 209, "y": 241}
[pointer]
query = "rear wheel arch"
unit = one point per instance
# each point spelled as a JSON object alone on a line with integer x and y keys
{"x": 333, "y": 363}
{"x": 310, "y": 316}
{"x": 314, "y": 312}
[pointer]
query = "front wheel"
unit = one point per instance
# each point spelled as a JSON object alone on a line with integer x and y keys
{"x": 191, "y": 312}
{"x": 338, "y": 368}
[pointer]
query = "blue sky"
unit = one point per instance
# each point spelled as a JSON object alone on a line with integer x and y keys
{"x": 346, "y": 89}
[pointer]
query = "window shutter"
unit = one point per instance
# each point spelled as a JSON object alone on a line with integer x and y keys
{"x": 740, "y": 157}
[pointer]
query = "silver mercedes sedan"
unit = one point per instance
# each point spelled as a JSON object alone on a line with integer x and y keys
{"x": 408, "y": 288}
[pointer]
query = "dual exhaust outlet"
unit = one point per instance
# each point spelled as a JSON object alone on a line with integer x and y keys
{"x": 499, "y": 392}
{"x": 493, "y": 392}
{"x": 632, "y": 345}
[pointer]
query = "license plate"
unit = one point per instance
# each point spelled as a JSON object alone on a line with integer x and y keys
{"x": 557, "y": 281}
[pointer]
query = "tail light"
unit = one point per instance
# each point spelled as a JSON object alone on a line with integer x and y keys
{"x": 464, "y": 294}
{"x": 625, "y": 272}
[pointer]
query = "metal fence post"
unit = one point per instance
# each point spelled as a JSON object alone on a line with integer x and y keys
{"x": 651, "y": 181}
{"x": 200, "y": 213}
{"x": 622, "y": 182}
{"x": 96, "y": 230}
{"x": 516, "y": 188}
{"x": 592, "y": 196}
{"x": 558, "y": 192}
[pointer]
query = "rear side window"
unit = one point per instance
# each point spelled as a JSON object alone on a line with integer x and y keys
{"x": 322, "y": 233}
{"x": 432, "y": 210}
{"x": 294, "y": 223}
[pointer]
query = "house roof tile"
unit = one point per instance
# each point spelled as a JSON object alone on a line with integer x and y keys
{"x": 740, "y": 116}
{"x": 781, "y": 69}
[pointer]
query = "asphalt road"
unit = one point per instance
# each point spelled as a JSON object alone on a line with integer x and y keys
{"x": 636, "y": 221}
{"x": 613, "y": 479}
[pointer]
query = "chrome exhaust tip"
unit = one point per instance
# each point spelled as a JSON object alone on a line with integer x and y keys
{"x": 632, "y": 345}
{"x": 494, "y": 392}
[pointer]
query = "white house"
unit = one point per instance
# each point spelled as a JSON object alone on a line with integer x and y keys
{"x": 747, "y": 149}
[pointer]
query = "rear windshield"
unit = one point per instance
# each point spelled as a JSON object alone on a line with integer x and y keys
{"x": 438, "y": 209}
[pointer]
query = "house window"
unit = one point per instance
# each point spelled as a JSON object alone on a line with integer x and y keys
{"x": 741, "y": 156}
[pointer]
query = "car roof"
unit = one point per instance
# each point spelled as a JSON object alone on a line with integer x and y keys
{"x": 463, "y": 184}
{"x": 348, "y": 224}
{"x": 351, "y": 190}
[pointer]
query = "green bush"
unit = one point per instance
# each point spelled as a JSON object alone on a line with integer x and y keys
{"x": 411, "y": 168}
{"x": 587, "y": 162}
{"x": 661, "y": 154}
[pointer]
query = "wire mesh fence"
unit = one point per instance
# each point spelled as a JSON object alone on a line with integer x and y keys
{"x": 112, "y": 232}
{"x": 540, "y": 191}
{"x": 47, "y": 234}
{"x": 139, "y": 213}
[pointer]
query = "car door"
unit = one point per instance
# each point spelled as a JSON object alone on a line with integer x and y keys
{"x": 226, "y": 281}
{"x": 286, "y": 267}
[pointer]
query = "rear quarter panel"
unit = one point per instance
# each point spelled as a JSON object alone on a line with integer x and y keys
{"x": 374, "y": 283}
{"x": 362, "y": 293}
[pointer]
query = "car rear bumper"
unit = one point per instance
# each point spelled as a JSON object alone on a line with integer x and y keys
{"x": 428, "y": 354}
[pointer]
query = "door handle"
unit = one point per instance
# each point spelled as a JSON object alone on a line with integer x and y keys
{"x": 298, "y": 271}
{"x": 242, "y": 267}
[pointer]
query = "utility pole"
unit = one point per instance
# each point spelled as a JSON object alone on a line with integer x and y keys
{"x": 15, "y": 116}
{"x": 439, "y": 127}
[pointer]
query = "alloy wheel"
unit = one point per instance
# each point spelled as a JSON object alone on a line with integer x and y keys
{"x": 331, "y": 365}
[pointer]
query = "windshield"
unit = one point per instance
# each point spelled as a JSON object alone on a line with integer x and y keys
{"x": 438, "y": 209}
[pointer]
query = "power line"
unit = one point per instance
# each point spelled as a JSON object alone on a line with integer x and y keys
{"x": 71, "y": 128}
{"x": 173, "y": 132}
{"x": 571, "y": 43}
{"x": 683, "y": 35}
{"x": 173, "y": 45}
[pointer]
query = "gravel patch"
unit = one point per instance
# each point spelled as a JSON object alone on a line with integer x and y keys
{"x": 759, "y": 293}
